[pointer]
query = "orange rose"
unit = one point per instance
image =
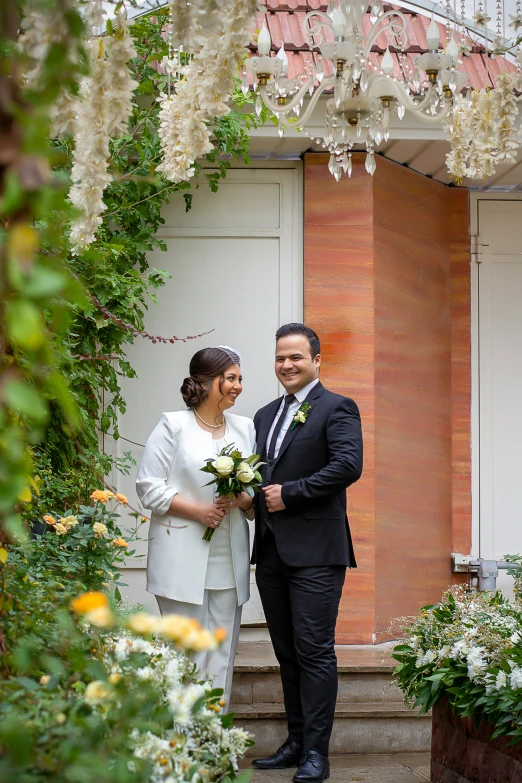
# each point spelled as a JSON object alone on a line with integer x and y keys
{"x": 120, "y": 542}
{"x": 49, "y": 519}
{"x": 86, "y": 602}
{"x": 220, "y": 635}
{"x": 101, "y": 495}
{"x": 121, "y": 499}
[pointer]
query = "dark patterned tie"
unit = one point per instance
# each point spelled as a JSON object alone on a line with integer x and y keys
{"x": 289, "y": 399}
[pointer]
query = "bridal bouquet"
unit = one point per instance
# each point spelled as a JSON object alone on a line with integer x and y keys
{"x": 233, "y": 474}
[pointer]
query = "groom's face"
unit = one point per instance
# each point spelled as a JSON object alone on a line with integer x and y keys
{"x": 294, "y": 365}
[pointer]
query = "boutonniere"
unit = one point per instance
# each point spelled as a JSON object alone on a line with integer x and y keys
{"x": 302, "y": 414}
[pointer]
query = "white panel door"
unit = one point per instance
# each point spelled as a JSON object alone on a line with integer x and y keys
{"x": 236, "y": 266}
{"x": 499, "y": 294}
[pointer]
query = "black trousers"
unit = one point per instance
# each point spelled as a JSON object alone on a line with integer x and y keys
{"x": 301, "y": 606}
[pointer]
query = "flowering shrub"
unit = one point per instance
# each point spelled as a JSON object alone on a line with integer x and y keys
{"x": 86, "y": 547}
{"x": 91, "y": 692}
{"x": 467, "y": 648}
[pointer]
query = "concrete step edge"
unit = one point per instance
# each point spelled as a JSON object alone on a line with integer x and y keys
{"x": 270, "y": 668}
{"x": 362, "y": 710}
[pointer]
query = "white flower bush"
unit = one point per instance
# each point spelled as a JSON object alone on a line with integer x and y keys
{"x": 481, "y": 129}
{"x": 201, "y": 745}
{"x": 468, "y": 649}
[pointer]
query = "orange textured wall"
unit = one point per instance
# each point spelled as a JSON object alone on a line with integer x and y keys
{"x": 412, "y": 391}
{"x": 385, "y": 287}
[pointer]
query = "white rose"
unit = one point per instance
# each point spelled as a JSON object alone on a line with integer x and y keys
{"x": 300, "y": 417}
{"x": 245, "y": 473}
{"x": 223, "y": 465}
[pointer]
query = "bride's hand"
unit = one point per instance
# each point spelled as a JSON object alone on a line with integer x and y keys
{"x": 210, "y": 515}
{"x": 242, "y": 501}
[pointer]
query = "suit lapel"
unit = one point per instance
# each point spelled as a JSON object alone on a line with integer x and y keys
{"x": 313, "y": 394}
{"x": 265, "y": 424}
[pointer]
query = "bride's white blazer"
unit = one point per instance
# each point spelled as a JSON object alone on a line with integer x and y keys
{"x": 174, "y": 454}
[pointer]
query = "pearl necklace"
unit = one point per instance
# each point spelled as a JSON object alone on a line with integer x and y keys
{"x": 213, "y": 426}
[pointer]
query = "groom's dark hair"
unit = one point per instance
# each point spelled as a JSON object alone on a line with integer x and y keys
{"x": 305, "y": 331}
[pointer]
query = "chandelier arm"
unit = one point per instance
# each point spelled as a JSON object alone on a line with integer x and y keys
{"x": 409, "y": 103}
{"x": 283, "y": 110}
{"x": 433, "y": 118}
{"x": 378, "y": 28}
{"x": 316, "y": 29}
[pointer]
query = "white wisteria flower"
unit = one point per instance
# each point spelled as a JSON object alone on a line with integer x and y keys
{"x": 103, "y": 112}
{"x": 203, "y": 90}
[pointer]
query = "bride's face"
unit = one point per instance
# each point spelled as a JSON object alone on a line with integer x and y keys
{"x": 231, "y": 387}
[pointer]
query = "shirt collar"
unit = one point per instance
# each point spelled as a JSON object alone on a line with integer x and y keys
{"x": 303, "y": 393}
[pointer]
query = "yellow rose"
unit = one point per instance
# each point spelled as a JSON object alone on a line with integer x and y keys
{"x": 122, "y": 499}
{"x": 99, "y": 529}
{"x": 61, "y": 530}
{"x": 120, "y": 542}
{"x": 70, "y": 521}
{"x": 86, "y": 602}
{"x": 177, "y": 627}
{"x": 114, "y": 678}
{"x": 142, "y": 623}
{"x": 44, "y": 679}
{"x": 101, "y": 617}
{"x": 199, "y": 641}
{"x": 96, "y": 692}
{"x": 61, "y": 718}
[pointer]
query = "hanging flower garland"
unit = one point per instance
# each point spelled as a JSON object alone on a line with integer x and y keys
{"x": 202, "y": 91}
{"x": 481, "y": 129}
{"x": 103, "y": 112}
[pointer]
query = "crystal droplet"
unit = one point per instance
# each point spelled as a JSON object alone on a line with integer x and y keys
{"x": 337, "y": 174}
{"x": 363, "y": 82}
{"x": 359, "y": 130}
{"x": 259, "y": 106}
{"x": 400, "y": 111}
{"x": 370, "y": 164}
{"x": 280, "y": 128}
{"x": 344, "y": 162}
{"x": 453, "y": 81}
{"x": 349, "y": 167}
{"x": 319, "y": 70}
{"x": 332, "y": 164}
{"x": 245, "y": 87}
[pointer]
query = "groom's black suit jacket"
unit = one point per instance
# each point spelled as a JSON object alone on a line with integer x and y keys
{"x": 317, "y": 461}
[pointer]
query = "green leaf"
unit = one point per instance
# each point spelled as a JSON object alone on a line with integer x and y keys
{"x": 24, "y": 324}
{"x": 25, "y": 399}
{"x": 44, "y": 283}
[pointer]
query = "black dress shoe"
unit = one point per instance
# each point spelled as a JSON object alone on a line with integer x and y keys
{"x": 288, "y": 755}
{"x": 314, "y": 768}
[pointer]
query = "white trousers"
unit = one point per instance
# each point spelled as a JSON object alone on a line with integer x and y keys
{"x": 219, "y": 610}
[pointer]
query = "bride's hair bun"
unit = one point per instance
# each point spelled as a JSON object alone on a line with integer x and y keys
{"x": 193, "y": 392}
{"x": 205, "y": 365}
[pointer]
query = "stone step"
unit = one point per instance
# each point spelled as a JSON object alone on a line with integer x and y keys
{"x": 370, "y": 715}
{"x": 265, "y": 688}
{"x": 358, "y": 728}
{"x": 365, "y": 675}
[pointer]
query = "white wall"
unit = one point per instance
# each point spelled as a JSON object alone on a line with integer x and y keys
{"x": 236, "y": 266}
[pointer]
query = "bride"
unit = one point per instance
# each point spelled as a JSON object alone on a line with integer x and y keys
{"x": 209, "y": 581}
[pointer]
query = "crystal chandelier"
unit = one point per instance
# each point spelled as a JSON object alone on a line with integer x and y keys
{"x": 362, "y": 96}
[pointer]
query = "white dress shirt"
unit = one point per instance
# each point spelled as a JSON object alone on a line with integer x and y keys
{"x": 292, "y": 409}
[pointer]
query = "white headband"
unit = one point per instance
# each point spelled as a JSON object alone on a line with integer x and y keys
{"x": 234, "y": 355}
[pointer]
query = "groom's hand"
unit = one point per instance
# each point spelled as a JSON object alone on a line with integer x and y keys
{"x": 273, "y": 498}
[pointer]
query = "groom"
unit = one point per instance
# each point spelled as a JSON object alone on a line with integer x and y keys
{"x": 311, "y": 441}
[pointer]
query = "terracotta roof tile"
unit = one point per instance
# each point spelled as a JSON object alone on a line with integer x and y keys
{"x": 285, "y": 19}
